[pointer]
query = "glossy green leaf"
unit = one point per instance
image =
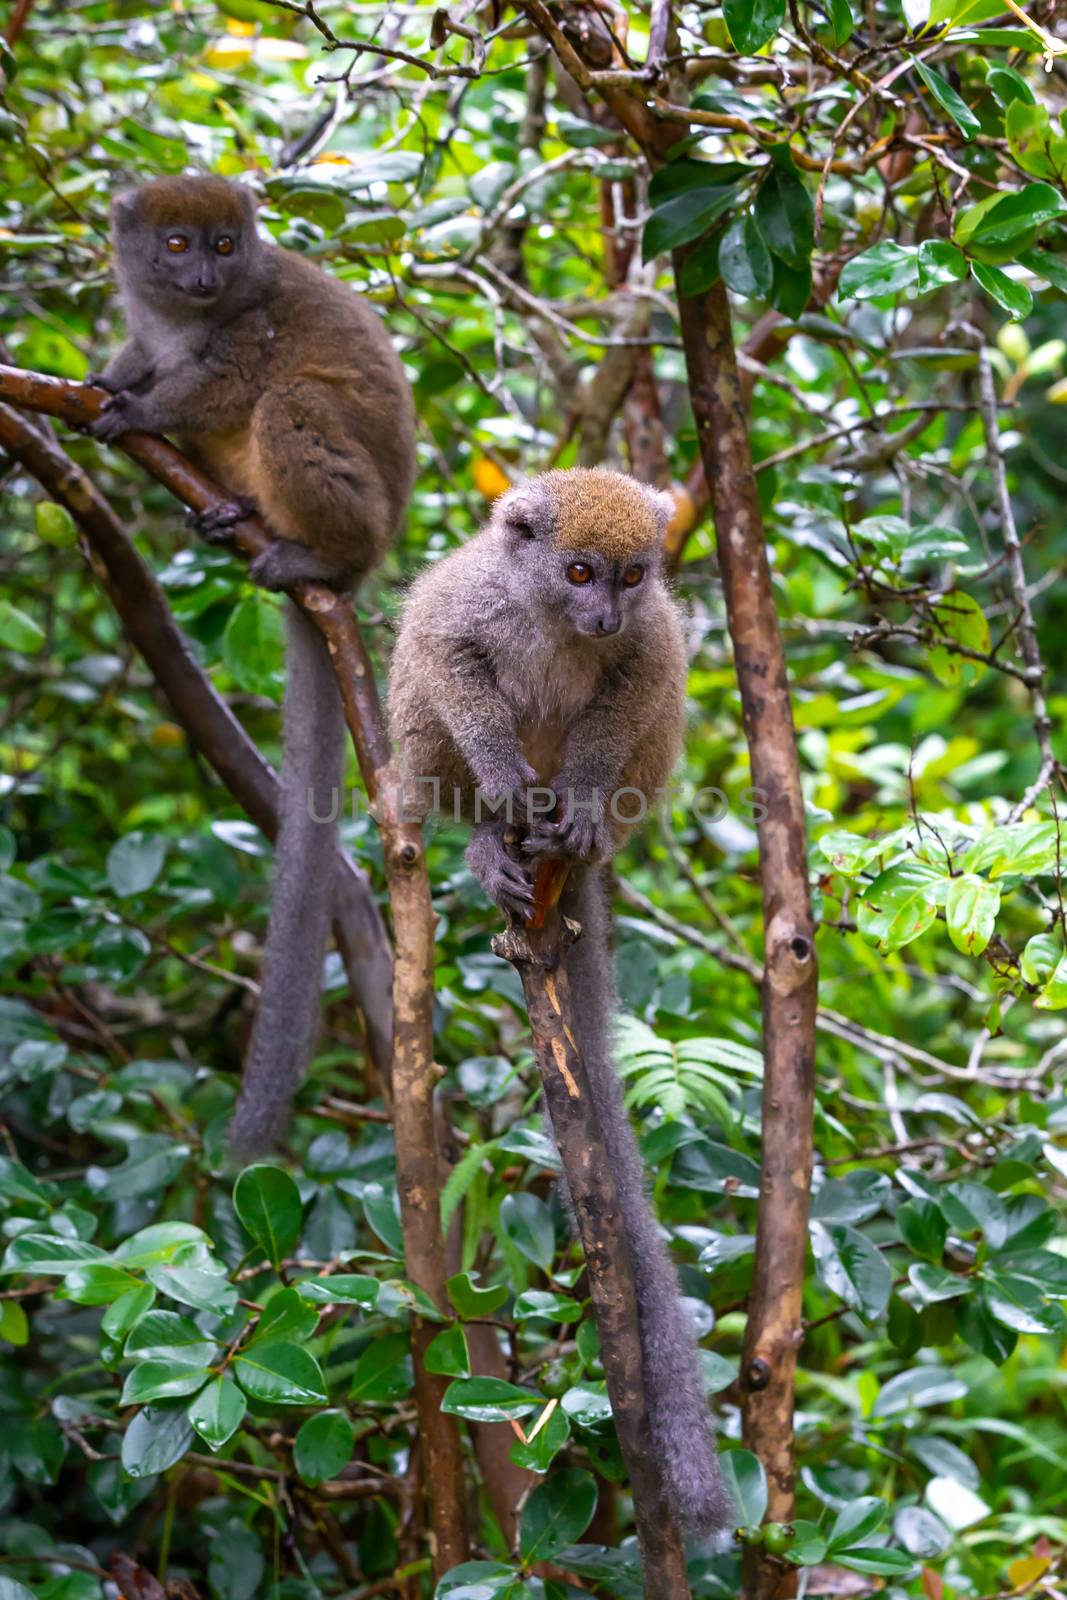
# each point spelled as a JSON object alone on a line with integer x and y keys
{"x": 557, "y": 1514}
{"x": 217, "y": 1411}
{"x": 283, "y": 1374}
{"x": 267, "y": 1201}
{"x": 323, "y": 1446}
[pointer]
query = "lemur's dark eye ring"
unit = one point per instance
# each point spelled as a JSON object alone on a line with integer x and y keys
{"x": 578, "y": 572}
{"x": 177, "y": 244}
{"x": 224, "y": 245}
{"x": 632, "y": 576}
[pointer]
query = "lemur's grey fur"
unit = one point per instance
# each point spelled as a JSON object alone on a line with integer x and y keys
{"x": 548, "y": 651}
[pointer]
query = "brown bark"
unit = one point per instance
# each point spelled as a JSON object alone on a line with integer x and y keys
{"x": 535, "y": 953}
{"x": 774, "y": 1328}
{"x": 205, "y": 716}
{"x": 20, "y": 15}
{"x": 790, "y": 985}
{"x": 413, "y": 923}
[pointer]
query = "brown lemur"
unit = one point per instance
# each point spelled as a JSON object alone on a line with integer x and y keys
{"x": 548, "y": 652}
{"x": 282, "y": 384}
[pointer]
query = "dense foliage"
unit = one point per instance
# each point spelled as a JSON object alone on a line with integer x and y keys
{"x": 215, "y": 1376}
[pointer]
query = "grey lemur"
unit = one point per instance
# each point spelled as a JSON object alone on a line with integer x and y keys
{"x": 281, "y": 383}
{"x": 547, "y": 651}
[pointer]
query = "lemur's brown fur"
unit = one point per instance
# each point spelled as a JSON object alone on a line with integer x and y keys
{"x": 281, "y": 383}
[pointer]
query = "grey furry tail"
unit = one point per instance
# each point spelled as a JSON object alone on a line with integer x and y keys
{"x": 675, "y": 1396}
{"x": 287, "y": 1021}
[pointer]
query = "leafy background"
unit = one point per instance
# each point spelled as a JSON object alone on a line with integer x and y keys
{"x": 217, "y": 1377}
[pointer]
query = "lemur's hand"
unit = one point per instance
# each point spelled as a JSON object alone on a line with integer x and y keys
{"x": 507, "y": 882}
{"x": 581, "y": 833}
{"x": 123, "y": 413}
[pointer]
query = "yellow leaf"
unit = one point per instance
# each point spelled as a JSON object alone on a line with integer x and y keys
{"x": 1027, "y": 1570}
{"x": 489, "y": 479}
{"x": 1057, "y": 392}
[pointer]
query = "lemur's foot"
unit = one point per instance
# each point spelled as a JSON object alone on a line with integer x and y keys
{"x": 286, "y": 562}
{"x": 216, "y": 524}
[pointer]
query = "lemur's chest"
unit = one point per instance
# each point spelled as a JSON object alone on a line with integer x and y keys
{"x": 548, "y": 688}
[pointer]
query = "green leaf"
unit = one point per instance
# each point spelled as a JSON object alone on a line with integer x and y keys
{"x": 157, "y": 1437}
{"x": 135, "y": 862}
{"x": 746, "y": 1484}
{"x": 342, "y": 1288}
{"x": 557, "y": 1514}
{"x": 45, "y": 1253}
{"x": 933, "y": 1283}
{"x": 852, "y": 1267}
{"x": 1010, "y": 216}
{"x": 744, "y": 260}
{"x": 971, "y": 907}
{"x": 1015, "y": 298}
{"x": 527, "y": 1222}
{"x": 753, "y": 22}
{"x": 923, "y": 1228}
{"x": 162, "y": 1380}
{"x": 217, "y": 1412}
{"x": 842, "y": 22}
{"x": 323, "y": 1447}
{"x": 949, "y": 100}
{"x": 286, "y": 1316}
{"x": 543, "y": 1303}
{"x": 267, "y": 1202}
{"x": 958, "y": 619}
{"x": 489, "y": 1400}
{"x": 939, "y": 263}
{"x": 164, "y": 1335}
{"x": 544, "y": 1445}
{"x": 918, "y": 1388}
{"x": 18, "y": 631}
{"x": 854, "y": 1522}
{"x": 447, "y": 1353}
{"x": 900, "y": 904}
{"x": 471, "y": 1301}
{"x": 784, "y": 211}
{"x": 253, "y": 645}
{"x": 684, "y": 218}
{"x": 876, "y": 1559}
{"x": 384, "y": 1370}
{"x": 885, "y": 269}
{"x": 283, "y": 1374}
{"x": 97, "y": 1284}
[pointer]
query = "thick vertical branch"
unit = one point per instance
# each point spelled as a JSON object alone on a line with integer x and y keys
{"x": 790, "y": 981}
{"x": 413, "y": 922}
{"x": 205, "y": 716}
{"x": 536, "y": 953}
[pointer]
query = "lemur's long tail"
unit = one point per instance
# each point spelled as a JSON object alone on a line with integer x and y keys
{"x": 679, "y": 1416}
{"x": 287, "y": 1021}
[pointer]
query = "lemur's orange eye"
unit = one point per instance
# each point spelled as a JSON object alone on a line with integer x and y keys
{"x": 224, "y": 245}
{"x": 177, "y": 244}
{"x": 632, "y": 576}
{"x": 578, "y": 572}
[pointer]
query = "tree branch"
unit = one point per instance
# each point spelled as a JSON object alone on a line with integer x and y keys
{"x": 414, "y": 1073}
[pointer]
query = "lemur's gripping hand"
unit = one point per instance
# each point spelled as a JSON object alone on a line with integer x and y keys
{"x": 581, "y": 833}
{"x": 505, "y": 786}
{"x": 123, "y": 413}
{"x": 507, "y": 883}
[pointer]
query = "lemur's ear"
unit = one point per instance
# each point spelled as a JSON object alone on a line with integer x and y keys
{"x": 524, "y": 511}
{"x": 664, "y": 507}
{"x": 124, "y": 208}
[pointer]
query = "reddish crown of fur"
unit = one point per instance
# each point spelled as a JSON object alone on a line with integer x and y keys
{"x": 194, "y": 202}
{"x": 602, "y": 511}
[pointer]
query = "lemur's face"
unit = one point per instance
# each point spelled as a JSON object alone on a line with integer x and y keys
{"x": 185, "y": 242}
{"x": 586, "y": 547}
